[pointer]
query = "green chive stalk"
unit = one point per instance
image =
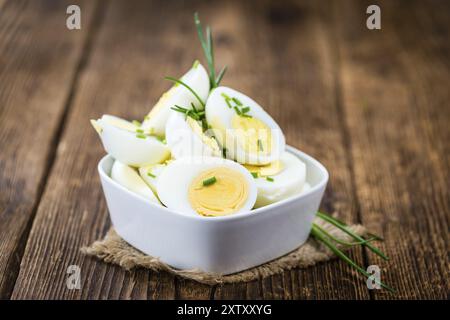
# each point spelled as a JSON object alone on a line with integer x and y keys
{"x": 329, "y": 240}
{"x": 208, "y": 50}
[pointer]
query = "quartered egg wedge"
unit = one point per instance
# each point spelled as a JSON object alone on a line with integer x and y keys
{"x": 130, "y": 179}
{"x": 279, "y": 180}
{"x": 151, "y": 173}
{"x": 185, "y": 137}
{"x": 129, "y": 143}
{"x": 241, "y": 126}
{"x": 206, "y": 186}
{"x": 197, "y": 79}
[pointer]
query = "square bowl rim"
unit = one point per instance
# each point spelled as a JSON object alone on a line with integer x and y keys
{"x": 265, "y": 209}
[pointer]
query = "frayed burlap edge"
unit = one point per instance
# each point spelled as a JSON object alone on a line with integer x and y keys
{"x": 113, "y": 249}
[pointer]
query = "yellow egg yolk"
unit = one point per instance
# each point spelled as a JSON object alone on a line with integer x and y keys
{"x": 121, "y": 124}
{"x": 118, "y": 123}
{"x": 197, "y": 129}
{"x": 253, "y": 135}
{"x": 161, "y": 102}
{"x": 225, "y": 196}
{"x": 270, "y": 169}
{"x": 96, "y": 126}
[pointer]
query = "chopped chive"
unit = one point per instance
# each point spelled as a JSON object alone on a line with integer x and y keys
{"x": 196, "y": 63}
{"x": 228, "y": 103}
{"x": 260, "y": 145}
{"x": 141, "y": 136}
{"x": 223, "y": 94}
{"x": 245, "y": 109}
{"x": 270, "y": 179}
{"x": 136, "y": 123}
{"x": 254, "y": 174}
{"x": 151, "y": 175}
{"x": 139, "y": 131}
{"x": 146, "y": 118}
{"x": 245, "y": 115}
{"x": 204, "y": 125}
{"x": 237, "y": 110}
{"x": 227, "y": 99}
{"x": 161, "y": 139}
{"x": 236, "y": 100}
{"x": 187, "y": 87}
{"x": 193, "y": 107}
{"x": 209, "y": 181}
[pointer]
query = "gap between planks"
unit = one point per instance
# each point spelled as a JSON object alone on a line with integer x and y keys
{"x": 93, "y": 27}
{"x": 343, "y": 125}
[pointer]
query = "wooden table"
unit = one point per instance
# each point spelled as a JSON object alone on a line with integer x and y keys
{"x": 372, "y": 105}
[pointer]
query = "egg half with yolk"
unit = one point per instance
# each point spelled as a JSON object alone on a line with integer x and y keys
{"x": 130, "y": 179}
{"x": 185, "y": 137}
{"x": 206, "y": 186}
{"x": 248, "y": 133}
{"x": 279, "y": 180}
{"x": 129, "y": 143}
{"x": 197, "y": 79}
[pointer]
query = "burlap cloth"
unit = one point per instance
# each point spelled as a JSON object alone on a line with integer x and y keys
{"x": 113, "y": 249}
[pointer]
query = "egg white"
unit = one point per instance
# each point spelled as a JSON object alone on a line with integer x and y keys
{"x": 150, "y": 174}
{"x": 184, "y": 141}
{"x": 120, "y": 139}
{"x": 306, "y": 188}
{"x": 196, "y": 78}
{"x": 288, "y": 182}
{"x": 173, "y": 184}
{"x": 219, "y": 117}
{"x": 130, "y": 179}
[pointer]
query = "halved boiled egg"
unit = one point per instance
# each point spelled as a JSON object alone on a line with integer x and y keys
{"x": 278, "y": 180}
{"x": 185, "y": 136}
{"x": 197, "y": 79}
{"x": 207, "y": 186}
{"x": 248, "y": 133}
{"x": 130, "y": 179}
{"x": 151, "y": 173}
{"x": 306, "y": 187}
{"x": 129, "y": 143}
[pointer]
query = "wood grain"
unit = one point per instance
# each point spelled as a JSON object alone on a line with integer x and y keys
{"x": 72, "y": 213}
{"x": 38, "y": 62}
{"x": 399, "y": 136}
{"x": 280, "y": 55}
{"x": 371, "y": 105}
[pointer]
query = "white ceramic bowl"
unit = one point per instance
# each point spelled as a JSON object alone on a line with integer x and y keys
{"x": 221, "y": 244}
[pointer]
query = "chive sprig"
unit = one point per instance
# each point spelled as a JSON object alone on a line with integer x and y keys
{"x": 208, "y": 50}
{"x": 326, "y": 238}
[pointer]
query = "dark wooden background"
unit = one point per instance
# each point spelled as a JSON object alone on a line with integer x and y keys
{"x": 373, "y": 106}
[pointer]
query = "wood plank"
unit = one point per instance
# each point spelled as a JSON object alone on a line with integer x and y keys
{"x": 286, "y": 63}
{"x": 134, "y": 49}
{"x": 395, "y": 94}
{"x": 38, "y": 62}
